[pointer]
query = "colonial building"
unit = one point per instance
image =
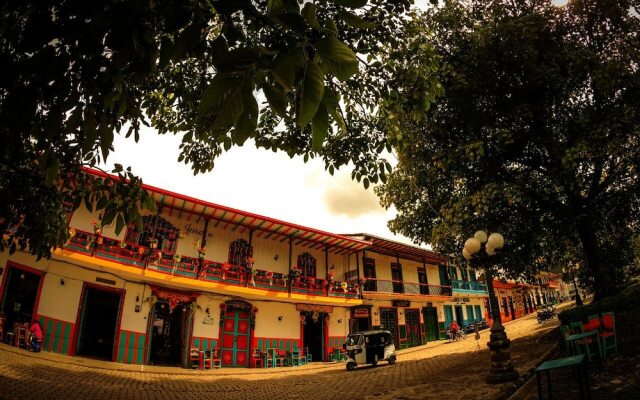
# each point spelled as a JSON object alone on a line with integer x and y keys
{"x": 202, "y": 275}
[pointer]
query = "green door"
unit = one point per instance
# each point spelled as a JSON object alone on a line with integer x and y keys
{"x": 448, "y": 316}
{"x": 430, "y": 315}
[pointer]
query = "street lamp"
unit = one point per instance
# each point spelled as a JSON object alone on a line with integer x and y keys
{"x": 501, "y": 368}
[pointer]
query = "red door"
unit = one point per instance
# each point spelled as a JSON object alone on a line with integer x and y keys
{"x": 235, "y": 339}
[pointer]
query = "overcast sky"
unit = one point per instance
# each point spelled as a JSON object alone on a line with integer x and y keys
{"x": 262, "y": 182}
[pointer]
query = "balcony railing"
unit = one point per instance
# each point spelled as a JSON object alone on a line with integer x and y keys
{"x": 374, "y": 285}
{"x": 469, "y": 286}
{"x": 146, "y": 258}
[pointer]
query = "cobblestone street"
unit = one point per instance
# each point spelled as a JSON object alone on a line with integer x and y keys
{"x": 436, "y": 371}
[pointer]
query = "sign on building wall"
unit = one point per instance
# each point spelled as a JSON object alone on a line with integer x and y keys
{"x": 460, "y": 300}
{"x": 314, "y": 307}
{"x": 401, "y": 303}
{"x": 361, "y": 312}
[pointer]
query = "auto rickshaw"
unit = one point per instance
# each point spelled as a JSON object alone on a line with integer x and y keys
{"x": 369, "y": 347}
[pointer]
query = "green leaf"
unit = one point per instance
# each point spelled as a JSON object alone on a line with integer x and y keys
{"x": 355, "y": 21}
{"x": 319, "y": 128}
{"x": 285, "y": 68}
{"x": 119, "y": 224}
{"x": 246, "y": 125}
{"x": 351, "y": 3}
{"x": 276, "y": 98}
{"x": 342, "y": 62}
{"x": 278, "y": 7}
{"x": 216, "y": 93}
{"x": 309, "y": 12}
{"x": 365, "y": 181}
{"x": 330, "y": 26}
{"x": 310, "y": 94}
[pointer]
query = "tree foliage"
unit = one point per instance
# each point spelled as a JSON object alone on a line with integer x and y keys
{"x": 537, "y": 135}
{"x": 309, "y": 78}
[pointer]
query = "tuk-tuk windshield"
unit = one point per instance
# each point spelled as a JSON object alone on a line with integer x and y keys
{"x": 353, "y": 340}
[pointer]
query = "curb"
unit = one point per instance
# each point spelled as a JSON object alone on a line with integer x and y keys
{"x": 146, "y": 369}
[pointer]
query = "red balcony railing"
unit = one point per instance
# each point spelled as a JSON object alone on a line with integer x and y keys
{"x": 145, "y": 257}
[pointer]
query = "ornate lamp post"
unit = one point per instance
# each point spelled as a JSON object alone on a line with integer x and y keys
{"x": 478, "y": 250}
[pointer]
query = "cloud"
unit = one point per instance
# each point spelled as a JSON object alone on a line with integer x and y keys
{"x": 343, "y": 196}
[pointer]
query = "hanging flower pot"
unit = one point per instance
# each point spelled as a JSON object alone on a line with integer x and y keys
{"x": 177, "y": 258}
{"x": 344, "y": 286}
{"x": 100, "y": 240}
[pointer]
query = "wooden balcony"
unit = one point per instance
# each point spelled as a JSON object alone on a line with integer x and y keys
{"x": 145, "y": 258}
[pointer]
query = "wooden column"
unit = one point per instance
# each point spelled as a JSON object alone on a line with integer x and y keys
{"x": 290, "y": 255}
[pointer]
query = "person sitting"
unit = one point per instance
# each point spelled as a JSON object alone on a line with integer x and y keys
{"x": 36, "y": 335}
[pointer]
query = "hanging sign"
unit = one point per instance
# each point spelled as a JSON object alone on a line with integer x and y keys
{"x": 401, "y": 303}
{"x": 314, "y": 307}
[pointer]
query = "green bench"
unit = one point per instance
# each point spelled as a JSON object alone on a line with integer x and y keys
{"x": 577, "y": 362}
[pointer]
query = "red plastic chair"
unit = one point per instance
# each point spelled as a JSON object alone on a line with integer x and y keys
{"x": 608, "y": 333}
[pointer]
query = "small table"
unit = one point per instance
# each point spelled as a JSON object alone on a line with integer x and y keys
{"x": 573, "y": 361}
{"x": 585, "y": 336}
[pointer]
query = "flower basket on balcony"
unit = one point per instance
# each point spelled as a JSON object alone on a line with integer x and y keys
{"x": 269, "y": 276}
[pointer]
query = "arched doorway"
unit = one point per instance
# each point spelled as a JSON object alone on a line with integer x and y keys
{"x": 237, "y": 324}
{"x": 170, "y": 327}
{"x": 169, "y": 333}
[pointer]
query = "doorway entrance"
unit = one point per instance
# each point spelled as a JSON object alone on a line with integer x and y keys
{"x": 389, "y": 322}
{"x": 459, "y": 316}
{"x": 430, "y": 315}
{"x": 20, "y": 294}
{"x": 98, "y": 321}
{"x": 169, "y": 333}
{"x": 412, "y": 321}
{"x": 313, "y": 334}
{"x": 236, "y": 334}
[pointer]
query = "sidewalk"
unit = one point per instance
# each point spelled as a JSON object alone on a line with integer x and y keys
{"x": 434, "y": 371}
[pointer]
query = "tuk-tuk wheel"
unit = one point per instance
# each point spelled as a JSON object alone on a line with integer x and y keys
{"x": 351, "y": 366}
{"x": 392, "y": 360}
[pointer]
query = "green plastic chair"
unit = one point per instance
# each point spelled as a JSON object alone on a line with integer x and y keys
{"x": 565, "y": 332}
{"x": 581, "y": 346}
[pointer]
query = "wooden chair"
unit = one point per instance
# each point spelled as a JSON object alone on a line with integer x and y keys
{"x": 257, "y": 358}
{"x": 194, "y": 358}
{"x": 308, "y": 356}
{"x": 207, "y": 359}
{"x": 216, "y": 362}
{"x": 608, "y": 333}
{"x": 272, "y": 358}
{"x": 281, "y": 358}
{"x": 22, "y": 337}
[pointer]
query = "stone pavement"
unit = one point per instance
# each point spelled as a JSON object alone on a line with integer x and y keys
{"x": 436, "y": 371}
